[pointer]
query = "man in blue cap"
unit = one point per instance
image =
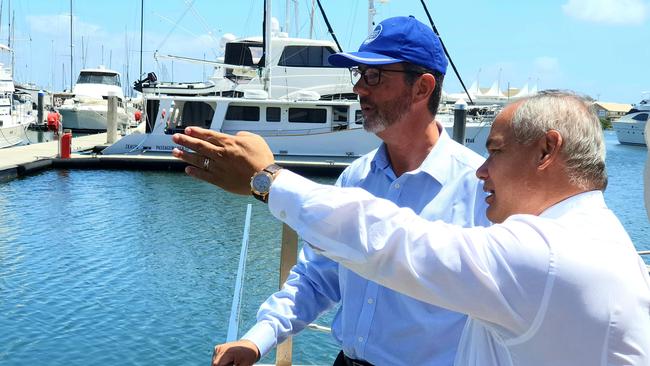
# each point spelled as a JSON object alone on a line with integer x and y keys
{"x": 398, "y": 74}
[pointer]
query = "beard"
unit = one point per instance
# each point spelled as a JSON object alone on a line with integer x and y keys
{"x": 384, "y": 115}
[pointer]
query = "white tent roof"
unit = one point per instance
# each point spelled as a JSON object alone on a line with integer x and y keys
{"x": 494, "y": 91}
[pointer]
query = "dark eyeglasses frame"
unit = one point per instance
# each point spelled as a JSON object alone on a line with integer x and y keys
{"x": 356, "y": 70}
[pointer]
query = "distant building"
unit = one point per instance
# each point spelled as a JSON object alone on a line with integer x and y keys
{"x": 611, "y": 111}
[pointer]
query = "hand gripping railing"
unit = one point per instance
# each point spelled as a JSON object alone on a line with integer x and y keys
{"x": 233, "y": 323}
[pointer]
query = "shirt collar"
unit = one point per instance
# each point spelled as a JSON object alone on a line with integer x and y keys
{"x": 584, "y": 200}
{"x": 436, "y": 164}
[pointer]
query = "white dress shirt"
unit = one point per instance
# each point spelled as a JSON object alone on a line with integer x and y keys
{"x": 562, "y": 288}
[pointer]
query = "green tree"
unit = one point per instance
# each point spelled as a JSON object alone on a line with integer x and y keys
{"x": 605, "y": 123}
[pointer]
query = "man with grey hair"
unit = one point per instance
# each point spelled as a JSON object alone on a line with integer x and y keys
{"x": 557, "y": 281}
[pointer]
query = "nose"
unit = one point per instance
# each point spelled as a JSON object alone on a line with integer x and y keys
{"x": 360, "y": 88}
{"x": 482, "y": 171}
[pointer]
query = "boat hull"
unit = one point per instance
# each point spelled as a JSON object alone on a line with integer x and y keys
{"x": 11, "y": 136}
{"x": 89, "y": 118}
{"x": 630, "y": 133}
{"x": 351, "y": 143}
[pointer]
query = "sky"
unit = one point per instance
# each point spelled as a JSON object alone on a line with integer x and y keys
{"x": 600, "y": 48}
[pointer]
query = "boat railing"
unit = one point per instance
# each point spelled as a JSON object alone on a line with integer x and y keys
{"x": 288, "y": 258}
{"x": 235, "y": 310}
{"x": 642, "y": 253}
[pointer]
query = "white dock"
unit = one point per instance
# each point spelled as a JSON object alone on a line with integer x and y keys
{"x": 27, "y": 159}
{"x": 17, "y": 160}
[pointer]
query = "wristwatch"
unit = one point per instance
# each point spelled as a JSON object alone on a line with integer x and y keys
{"x": 262, "y": 180}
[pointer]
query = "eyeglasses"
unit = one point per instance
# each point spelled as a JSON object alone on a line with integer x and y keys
{"x": 372, "y": 76}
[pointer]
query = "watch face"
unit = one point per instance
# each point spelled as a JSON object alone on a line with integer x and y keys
{"x": 262, "y": 182}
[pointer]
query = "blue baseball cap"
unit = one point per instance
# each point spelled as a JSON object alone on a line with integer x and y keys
{"x": 398, "y": 39}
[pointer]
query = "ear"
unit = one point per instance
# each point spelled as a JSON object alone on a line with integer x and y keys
{"x": 424, "y": 86}
{"x": 550, "y": 147}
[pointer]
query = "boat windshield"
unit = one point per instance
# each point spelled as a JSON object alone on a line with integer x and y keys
{"x": 98, "y": 78}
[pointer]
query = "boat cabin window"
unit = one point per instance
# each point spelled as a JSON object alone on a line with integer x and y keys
{"x": 191, "y": 113}
{"x": 307, "y": 115}
{"x": 99, "y": 78}
{"x": 242, "y": 113}
{"x": 358, "y": 117}
{"x": 273, "y": 114}
{"x": 641, "y": 117}
{"x": 152, "y": 110}
{"x": 197, "y": 114}
{"x": 306, "y": 56}
{"x": 339, "y": 114}
{"x": 243, "y": 53}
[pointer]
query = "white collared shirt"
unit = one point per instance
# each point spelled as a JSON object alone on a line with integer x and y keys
{"x": 562, "y": 288}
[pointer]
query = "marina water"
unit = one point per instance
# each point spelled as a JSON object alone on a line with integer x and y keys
{"x": 138, "y": 268}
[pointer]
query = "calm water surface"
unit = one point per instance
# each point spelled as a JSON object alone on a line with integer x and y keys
{"x": 109, "y": 267}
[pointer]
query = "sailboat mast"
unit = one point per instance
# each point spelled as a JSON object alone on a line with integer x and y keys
{"x": 141, "y": 33}
{"x": 71, "y": 53}
{"x": 286, "y": 17}
{"x": 266, "y": 72}
{"x": 12, "y": 35}
{"x": 371, "y": 15}
{"x": 9, "y": 25}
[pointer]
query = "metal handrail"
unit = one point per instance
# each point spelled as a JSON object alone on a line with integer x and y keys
{"x": 233, "y": 323}
{"x": 643, "y": 252}
{"x": 319, "y": 328}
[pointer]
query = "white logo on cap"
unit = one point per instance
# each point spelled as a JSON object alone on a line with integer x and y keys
{"x": 375, "y": 33}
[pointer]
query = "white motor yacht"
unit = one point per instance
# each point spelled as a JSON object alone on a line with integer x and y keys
{"x": 306, "y": 127}
{"x": 87, "y": 110}
{"x": 630, "y": 129}
{"x": 296, "y": 100}
{"x": 15, "y": 112}
{"x": 295, "y": 65}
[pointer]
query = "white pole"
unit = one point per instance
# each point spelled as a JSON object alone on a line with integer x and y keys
{"x": 371, "y": 15}
{"x": 286, "y": 17}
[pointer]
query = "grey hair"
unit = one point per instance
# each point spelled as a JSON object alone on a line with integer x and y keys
{"x": 576, "y": 121}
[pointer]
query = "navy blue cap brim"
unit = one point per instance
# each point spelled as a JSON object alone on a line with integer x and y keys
{"x": 349, "y": 59}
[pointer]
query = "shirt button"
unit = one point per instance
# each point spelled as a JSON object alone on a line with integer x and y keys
{"x": 360, "y": 339}
{"x": 370, "y": 300}
{"x": 283, "y": 214}
{"x": 396, "y": 185}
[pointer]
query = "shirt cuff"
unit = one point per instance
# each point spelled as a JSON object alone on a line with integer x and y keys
{"x": 263, "y": 335}
{"x": 286, "y": 195}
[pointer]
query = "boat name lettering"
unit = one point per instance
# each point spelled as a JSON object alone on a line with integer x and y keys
{"x": 170, "y": 147}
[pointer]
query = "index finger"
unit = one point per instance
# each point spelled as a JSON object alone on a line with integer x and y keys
{"x": 206, "y": 134}
{"x": 190, "y": 142}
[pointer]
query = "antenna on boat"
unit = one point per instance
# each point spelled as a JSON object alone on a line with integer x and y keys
{"x": 329, "y": 27}
{"x": 435, "y": 30}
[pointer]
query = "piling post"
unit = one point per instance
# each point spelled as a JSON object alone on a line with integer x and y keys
{"x": 111, "y": 119}
{"x": 646, "y": 171}
{"x": 460, "y": 117}
{"x": 288, "y": 258}
{"x": 40, "y": 108}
